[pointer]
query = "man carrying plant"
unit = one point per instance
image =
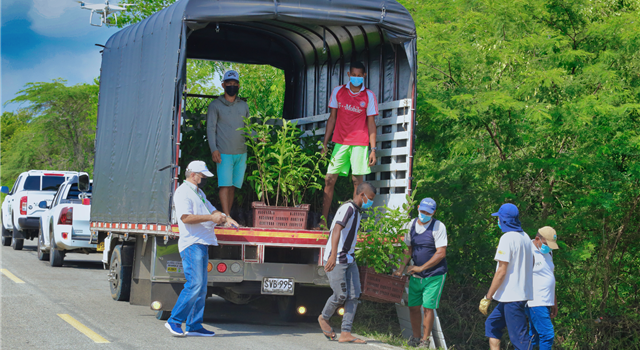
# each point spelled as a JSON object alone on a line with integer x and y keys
{"x": 512, "y": 284}
{"x": 353, "y": 126}
{"x": 426, "y": 238}
{"x": 340, "y": 265}
{"x": 544, "y": 305}
{"x": 225, "y": 118}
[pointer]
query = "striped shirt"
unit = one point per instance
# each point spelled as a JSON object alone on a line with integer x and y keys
{"x": 348, "y": 216}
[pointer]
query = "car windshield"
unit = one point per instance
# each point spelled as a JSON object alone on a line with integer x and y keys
{"x": 52, "y": 183}
{"x": 32, "y": 183}
{"x": 74, "y": 193}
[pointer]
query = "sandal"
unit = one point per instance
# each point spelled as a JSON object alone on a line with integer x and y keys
{"x": 355, "y": 341}
{"x": 330, "y": 335}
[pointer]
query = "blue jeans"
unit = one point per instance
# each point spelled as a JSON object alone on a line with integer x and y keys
{"x": 540, "y": 326}
{"x": 190, "y": 304}
{"x": 511, "y": 315}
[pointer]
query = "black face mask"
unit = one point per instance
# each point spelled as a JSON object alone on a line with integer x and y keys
{"x": 231, "y": 90}
{"x": 203, "y": 182}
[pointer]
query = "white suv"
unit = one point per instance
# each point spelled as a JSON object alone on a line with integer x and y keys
{"x": 20, "y": 210}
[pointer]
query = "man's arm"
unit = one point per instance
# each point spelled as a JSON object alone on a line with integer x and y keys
{"x": 371, "y": 124}
{"x": 405, "y": 261}
{"x": 192, "y": 219}
{"x": 212, "y": 129}
{"x": 554, "y": 308}
{"x": 331, "y": 124}
{"x": 440, "y": 254}
{"x": 498, "y": 278}
{"x": 335, "y": 240}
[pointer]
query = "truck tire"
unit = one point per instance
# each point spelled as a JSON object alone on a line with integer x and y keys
{"x": 120, "y": 270}
{"x": 56, "y": 257}
{"x": 286, "y": 308}
{"x": 17, "y": 243}
{"x": 163, "y": 315}
{"x": 6, "y": 236}
{"x": 42, "y": 255}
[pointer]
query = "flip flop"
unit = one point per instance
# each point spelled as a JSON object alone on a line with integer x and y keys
{"x": 330, "y": 335}
{"x": 355, "y": 341}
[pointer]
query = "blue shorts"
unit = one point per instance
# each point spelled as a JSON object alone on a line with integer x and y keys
{"x": 231, "y": 170}
{"x": 512, "y": 316}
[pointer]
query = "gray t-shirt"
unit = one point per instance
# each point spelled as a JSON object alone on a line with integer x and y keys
{"x": 224, "y": 120}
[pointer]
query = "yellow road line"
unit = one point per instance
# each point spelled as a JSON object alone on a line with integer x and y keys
{"x": 83, "y": 329}
{"x": 11, "y": 276}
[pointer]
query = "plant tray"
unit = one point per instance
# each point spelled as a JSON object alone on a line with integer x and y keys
{"x": 381, "y": 288}
{"x": 280, "y": 217}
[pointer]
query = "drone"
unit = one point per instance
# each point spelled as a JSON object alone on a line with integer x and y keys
{"x": 104, "y": 11}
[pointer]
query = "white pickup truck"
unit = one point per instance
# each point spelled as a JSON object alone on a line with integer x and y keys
{"x": 20, "y": 210}
{"x": 64, "y": 225}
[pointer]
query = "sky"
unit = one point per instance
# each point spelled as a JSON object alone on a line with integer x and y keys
{"x": 42, "y": 40}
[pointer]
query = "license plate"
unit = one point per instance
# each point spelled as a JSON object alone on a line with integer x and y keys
{"x": 100, "y": 247}
{"x": 275, "y": 285}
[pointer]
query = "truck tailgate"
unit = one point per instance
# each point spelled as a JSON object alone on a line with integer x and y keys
{"x": 81, "y": 215}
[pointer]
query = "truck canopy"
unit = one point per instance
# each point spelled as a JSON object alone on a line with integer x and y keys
{"x": 144, "y": 72}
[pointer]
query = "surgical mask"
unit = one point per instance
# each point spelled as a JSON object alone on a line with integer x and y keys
{"x": 356, "y": 81}
{"x": 368, "y": 203}
{"x": 203, "y": 182}
{"x": 499, "y": 226}
{"x": 424, "y": 217}
{"x": 231, "y": 90}
{"x": 544, "y": 249}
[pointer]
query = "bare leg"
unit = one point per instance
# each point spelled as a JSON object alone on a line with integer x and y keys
{"x": 428, "y": 323}
{"x": 226, "y": 198}
{"x": 416, "y": 320}
{"x": 494, "y": 343}
{"x": 357, "y": 180}
{"x": 329, "y": 186}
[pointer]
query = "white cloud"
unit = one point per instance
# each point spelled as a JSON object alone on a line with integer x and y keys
{"x": 63, "y": 18}
{"x": 75, "y": 67}
{"x": 52, "y": 8}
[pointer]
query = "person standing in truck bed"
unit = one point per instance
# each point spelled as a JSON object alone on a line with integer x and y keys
{"x": 225, "y": 118}
{"x": 353, "y": 126}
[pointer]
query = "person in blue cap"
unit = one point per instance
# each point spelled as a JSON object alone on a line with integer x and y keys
{"x": 426, "y": 238}
{"x": 512, "y": 284}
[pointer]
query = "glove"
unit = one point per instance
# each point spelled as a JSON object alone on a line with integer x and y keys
{"x": 484, "y": 305}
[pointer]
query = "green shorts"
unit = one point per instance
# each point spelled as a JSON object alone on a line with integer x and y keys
{"x": 426, "y": 291}
{"x": 345, "y": 157}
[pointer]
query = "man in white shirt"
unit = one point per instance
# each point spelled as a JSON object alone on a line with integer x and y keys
{"x": 544, "y": 305}
{"x": 196, "y": 220}
{"x": 512, "y": 284}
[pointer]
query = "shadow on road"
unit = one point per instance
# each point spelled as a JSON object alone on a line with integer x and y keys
{"x": 83, "y": 264}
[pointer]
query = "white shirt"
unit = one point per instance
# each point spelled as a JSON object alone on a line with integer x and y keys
{"x": 439, "y": 232}
{"x": 544, "y": 281}
{"x": 348, "y": 216}
{"x": 188, "y": 199}
{"x": 515, "y": 248}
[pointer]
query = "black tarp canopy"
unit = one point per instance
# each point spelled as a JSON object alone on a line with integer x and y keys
{"x": 144, "y": 67}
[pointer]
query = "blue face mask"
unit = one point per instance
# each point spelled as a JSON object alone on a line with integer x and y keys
{"x": 544, "y": 249}
{"x": 356, "y": 81}
{"x": 500, "y": 227}
{"x": 368, "y": 203}
{"x": 424, "y": 217}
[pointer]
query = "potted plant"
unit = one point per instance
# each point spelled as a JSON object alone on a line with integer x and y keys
{"x": 285, "y": 168}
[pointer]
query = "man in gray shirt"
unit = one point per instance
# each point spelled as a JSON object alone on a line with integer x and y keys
{"x": 226, "y": 140}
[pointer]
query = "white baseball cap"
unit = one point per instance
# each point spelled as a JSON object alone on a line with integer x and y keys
{"x": 231, "y": 75}
{"x": 198, "y": 166}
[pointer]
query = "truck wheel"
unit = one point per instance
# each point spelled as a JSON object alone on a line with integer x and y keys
{"x": 6, "y": 236}
{"x": 17, "y": 243}
{"x": 42, "y": 255}
{"x": 56, "y": 257}
{"x": 163, "y": 315}
{"x": 120, "y": 270}
{"x": 286, "y": 308}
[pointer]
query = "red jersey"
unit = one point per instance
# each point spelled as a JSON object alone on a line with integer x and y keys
{"x": 353, "y": 109}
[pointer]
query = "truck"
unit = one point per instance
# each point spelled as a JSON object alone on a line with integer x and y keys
{"x": 144, "y": 108}
{"x": 20, "y": 209}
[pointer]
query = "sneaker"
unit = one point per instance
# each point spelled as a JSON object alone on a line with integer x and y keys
{"x": 200, "y": 333}
{"x": 413, "y": 342}
{"x": 175, "y": 329}
{"x": 424, "y": 344}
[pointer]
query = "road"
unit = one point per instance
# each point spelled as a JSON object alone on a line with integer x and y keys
{"x": 40, "y": 313}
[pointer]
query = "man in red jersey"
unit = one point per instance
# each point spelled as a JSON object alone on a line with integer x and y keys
{"x": 353, "y": 126}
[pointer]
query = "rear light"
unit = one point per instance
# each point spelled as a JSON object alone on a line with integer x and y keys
{"x": 66, "y": 216}
{"x": 65, "y": 235}
{"x": 23, "y": 205}
{"x": 86, "y": 201}
{"x": 222, "y": 267}
{"x": 209, "y": 267}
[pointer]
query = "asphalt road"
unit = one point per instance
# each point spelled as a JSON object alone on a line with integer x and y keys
{"x": 41, "y": 312}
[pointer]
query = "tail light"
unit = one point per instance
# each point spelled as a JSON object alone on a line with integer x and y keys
{"x": 23, "y": 205}
{"x": 86, "y": 201}
{"x": 66, "y": 216}
{"x": 222, "y": 267}
{"x": 65, "y": 235}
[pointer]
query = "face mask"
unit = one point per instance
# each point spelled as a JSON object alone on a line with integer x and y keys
{"x": 368, "y": 203}
{"x": 231, "y": 90}
{"x": 203, "y": 182}
{"x": 544, "y": 249}
{"x": 499, "y": 226}
{"x": 424, "y": 217}
{"x": 356, "y": 81}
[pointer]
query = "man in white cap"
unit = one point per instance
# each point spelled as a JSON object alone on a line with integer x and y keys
{"x": 426, "y": 238}
{"x": 225, "y": 118}
{"x": 544, "y": 305}
{"x": 196, "y": 220}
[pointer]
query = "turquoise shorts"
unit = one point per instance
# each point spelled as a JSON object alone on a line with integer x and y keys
{"x": 231, "y": 170}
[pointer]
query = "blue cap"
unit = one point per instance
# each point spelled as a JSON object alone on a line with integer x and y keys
{"x": 231, "y": 75}
{"x": 507, "y": 211}
{"x": 428, "y": 205}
